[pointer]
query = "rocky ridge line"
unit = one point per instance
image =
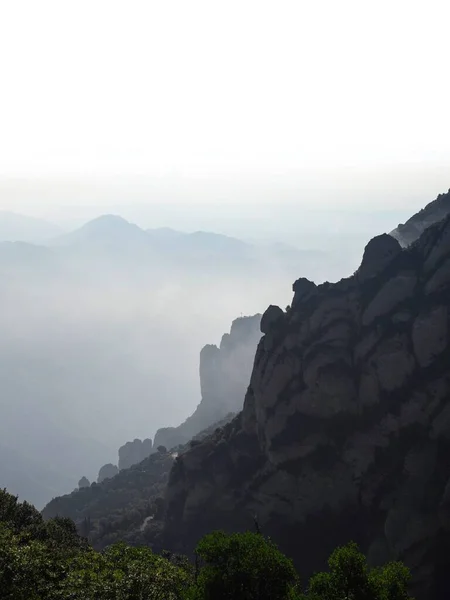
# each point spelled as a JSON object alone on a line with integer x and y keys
{"x": 345, "y": 431}
{"x": 435, "y": 211}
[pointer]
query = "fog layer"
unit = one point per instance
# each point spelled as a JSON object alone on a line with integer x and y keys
{"x": 102, "y": 327}
{"x": 101, "y": 335}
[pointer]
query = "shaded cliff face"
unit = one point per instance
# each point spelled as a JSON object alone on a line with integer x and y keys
{"x": 435, "y": 211}
{"x": 224, "y": 377}
{"x": 345, "y": 431}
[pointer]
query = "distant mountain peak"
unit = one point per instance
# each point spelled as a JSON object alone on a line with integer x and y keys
{"x": 105, "y": 228}
{"x": 108, "y": 221}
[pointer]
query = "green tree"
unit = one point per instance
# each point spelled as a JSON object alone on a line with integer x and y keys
{"x": 143, "y": 575}
{"x": 391, "y": 581}
{"x": 28, "y": 570}
{"x": 243, "y": 566}
{"x": 18, "y": 516}
{"x": 350, "y": 578}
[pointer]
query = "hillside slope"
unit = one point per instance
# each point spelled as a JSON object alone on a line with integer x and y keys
{"x": 345, "y": 429}
{"x": 435, "y": 211}
{"x": 127, "y": 507}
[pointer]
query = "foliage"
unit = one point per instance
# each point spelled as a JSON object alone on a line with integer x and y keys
{"x": 244, "y": 566}
{"x": 126, "y": 573}
{"x": 349, "y": 578}
{"x": 48, "y": 560}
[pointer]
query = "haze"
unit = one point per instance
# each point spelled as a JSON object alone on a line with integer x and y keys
{"x": 204, "y": 86}
{"x": 298, "y": 129}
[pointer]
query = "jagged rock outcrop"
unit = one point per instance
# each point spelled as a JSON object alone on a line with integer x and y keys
{"x": 83, "y": 483}
{"x": 378, "y": 253}
{"x": 106, "y": 472}
{"x": 132, "y": 453}
{"x": 271, "y": 318}
{"x": 224, "y": 377}
{"x": 433, "y": 212}
{"x": 345, "y": 431}
{"x": 302, "y": 289}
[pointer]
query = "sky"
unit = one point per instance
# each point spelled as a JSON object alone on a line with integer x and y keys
{"x": 111, "y": 88}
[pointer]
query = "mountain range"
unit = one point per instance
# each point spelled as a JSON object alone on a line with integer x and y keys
{"x": 344, "y": 430}
{"x": 94, "y": 321}
{"x": 21, "y": 228}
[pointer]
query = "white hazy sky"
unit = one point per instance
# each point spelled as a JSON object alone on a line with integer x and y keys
{"x": 193, "y": 87}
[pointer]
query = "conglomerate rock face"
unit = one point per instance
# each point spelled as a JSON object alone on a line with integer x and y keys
{"x": 345, "y": 431}
{"x": 224, "y": 377}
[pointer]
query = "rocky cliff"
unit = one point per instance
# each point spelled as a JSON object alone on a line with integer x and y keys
{"x": 83, "y": 483}
{"x": 132, "y": 453}
{"x": 435, "y": 211}
{"x": 345, "y": 431}
{"x": 224, "y": 376}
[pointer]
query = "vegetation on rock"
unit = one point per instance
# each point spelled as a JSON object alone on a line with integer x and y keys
{"x": 129, "y": 506}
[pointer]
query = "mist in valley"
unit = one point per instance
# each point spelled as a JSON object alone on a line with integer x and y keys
{"x": 158, "y": 181}
{"x": 102, "y": 325}
{"x": 101, "y": 334}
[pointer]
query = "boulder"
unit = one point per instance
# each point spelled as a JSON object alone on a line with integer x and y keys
{"x": 378, "y": 253}
{"x": 107, "y": 472}
{"x": 271, "y": 319}
{"x": 84, "y": 483}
